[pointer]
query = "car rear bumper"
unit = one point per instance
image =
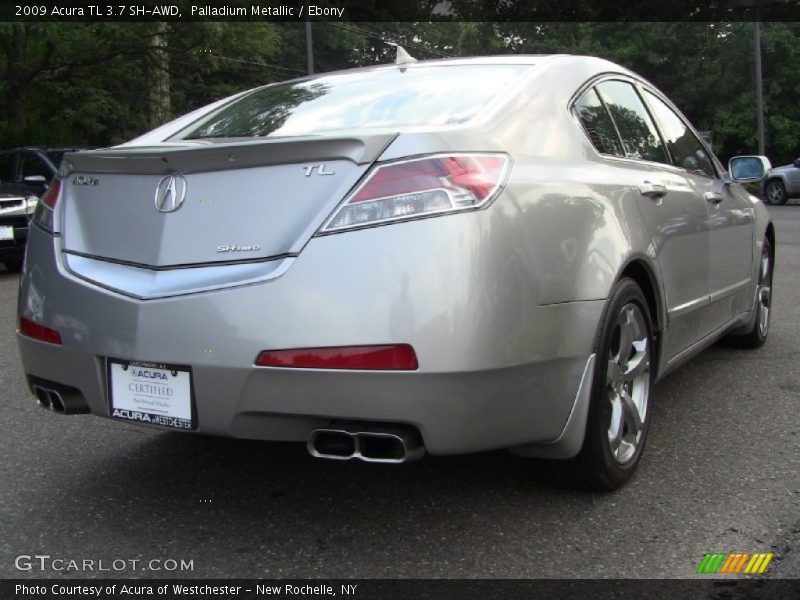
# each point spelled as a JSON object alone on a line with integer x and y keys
{"x": 495, "y": 370}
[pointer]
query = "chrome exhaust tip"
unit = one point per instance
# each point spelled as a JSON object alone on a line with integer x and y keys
{"x": 379, "y": 444}
{"x": 332, "y": 444}
{"x": 65, "y": 401}
{"x": 42, "y": 397}
{"x": 57, "y": 403}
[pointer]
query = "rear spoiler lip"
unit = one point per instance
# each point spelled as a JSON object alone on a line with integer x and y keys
{"x": 197, "y": 158}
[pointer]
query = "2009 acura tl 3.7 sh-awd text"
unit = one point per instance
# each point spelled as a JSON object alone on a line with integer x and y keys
{"x": 446, "y": 256}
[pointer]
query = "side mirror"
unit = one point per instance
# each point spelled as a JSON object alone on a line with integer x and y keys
{"x": 749, "y": 168}
{"x": 35, "y": 180}
{"x": 796, "y": 163}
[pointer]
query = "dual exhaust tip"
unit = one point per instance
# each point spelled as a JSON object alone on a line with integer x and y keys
{"x": 60, "y": 402}
{"x": 385, "y": 444}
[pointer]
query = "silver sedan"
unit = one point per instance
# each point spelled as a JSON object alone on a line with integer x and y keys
{"x": 446, "y": 256}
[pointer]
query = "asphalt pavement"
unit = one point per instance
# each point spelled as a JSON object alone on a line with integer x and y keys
{"x": 719, "y": 474}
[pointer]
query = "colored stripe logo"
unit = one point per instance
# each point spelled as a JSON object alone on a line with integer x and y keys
{"x": 735, "y": 562}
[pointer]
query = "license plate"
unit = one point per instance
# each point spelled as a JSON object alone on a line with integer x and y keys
{"x": 154, "y": 393}
{"x": 6, "y": 233}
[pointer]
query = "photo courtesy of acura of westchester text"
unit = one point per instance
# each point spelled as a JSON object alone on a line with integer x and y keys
{"x": 351, "y": 300}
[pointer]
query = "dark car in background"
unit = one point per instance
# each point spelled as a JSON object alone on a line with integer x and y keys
{"x": 783, "y": 183}
{"x": 24, "y": 177}
{"x": 15, "y": 214}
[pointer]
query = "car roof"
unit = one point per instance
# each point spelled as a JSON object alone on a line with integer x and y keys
{"x": 499, "y": 59}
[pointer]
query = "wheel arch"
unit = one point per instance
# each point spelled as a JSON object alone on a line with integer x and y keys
{"x": 639, "y": 270}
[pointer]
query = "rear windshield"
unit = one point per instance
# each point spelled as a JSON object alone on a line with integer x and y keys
{"x": 387, "y": 98}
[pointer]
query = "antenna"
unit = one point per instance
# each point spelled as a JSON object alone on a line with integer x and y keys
{"x": 403, "y": 57}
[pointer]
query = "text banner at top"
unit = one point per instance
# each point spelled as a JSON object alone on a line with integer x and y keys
{"x": 401, "y": 10}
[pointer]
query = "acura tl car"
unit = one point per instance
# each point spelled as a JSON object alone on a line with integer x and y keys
{"x": 444, "y": 257}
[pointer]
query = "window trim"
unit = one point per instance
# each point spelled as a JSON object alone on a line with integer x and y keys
{"x": 600, "y": 78}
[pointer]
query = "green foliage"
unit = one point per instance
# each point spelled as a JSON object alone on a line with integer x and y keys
{"x": 90, "y": 83}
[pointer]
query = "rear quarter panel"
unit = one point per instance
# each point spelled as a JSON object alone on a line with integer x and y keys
{"x": 567, "y": 218}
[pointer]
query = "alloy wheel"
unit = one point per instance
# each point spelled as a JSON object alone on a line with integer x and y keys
{"x": 775, "y": 193}
{"x": 628, "y": 383}
{"x": 764, "y": 293}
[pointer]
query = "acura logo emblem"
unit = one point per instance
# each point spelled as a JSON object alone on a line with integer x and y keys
{"x": 170, "y": 193}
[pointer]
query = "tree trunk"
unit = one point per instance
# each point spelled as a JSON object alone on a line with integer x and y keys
{"x": 16, "y": 79}
{"x": 160, "y": 105}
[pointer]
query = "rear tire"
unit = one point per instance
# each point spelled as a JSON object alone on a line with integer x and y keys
{"x": 14, "y": 266}
{"x": 775, "y": 192}
{"x": 619, "y": 408}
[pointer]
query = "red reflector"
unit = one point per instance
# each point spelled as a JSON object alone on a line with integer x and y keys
{"x": 50, "y": 197}
{"x": 400, "y": 357}
{"x": 39, "y": 332}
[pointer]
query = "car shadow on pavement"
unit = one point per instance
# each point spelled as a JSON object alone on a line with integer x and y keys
{"x": 191, "y": 468}
{"x": 236, "y": 492}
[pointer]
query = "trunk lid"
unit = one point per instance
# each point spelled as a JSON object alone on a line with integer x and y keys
{"x": 250, "y": 200}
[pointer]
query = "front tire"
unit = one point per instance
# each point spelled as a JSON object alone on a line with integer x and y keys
{"x": 619, "y": 408}
{"x": 775, "y": 192}
{"x": 757, "y": 335}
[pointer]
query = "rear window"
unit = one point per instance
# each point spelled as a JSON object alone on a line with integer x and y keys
{"x": 387, "y": 98}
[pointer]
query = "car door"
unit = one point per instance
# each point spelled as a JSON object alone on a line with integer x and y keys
{"x": 673, "y": 211}
{"x": 730, "y": 218}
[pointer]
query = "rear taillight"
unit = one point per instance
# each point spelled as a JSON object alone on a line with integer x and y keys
{"x": 50, "y": 197}
{"x": 44, "y": 210}
{"x": 39, "y": 332}
{"x": 397, "y": 357}
{"x": 422, "y": 187}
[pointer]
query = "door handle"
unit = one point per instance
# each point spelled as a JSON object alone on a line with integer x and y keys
{"x": 653, "y": 190}
{"x": 713, "y": 197}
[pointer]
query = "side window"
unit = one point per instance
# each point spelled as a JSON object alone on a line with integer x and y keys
{"x": 30, "y": 164}
{"x": 685, "y": 148}
{"x": 7, "y": 167}
{"x": 639, "y": 134}
{"x": 598, "y": 124}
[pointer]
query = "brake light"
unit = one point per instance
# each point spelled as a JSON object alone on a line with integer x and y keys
{"x": 39, "y": 332}
{"x": 50, "y": 197}
{"x": 421, "y": 187}
{"x": 43, "y": 215}
{"x": 399, "y": 357}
